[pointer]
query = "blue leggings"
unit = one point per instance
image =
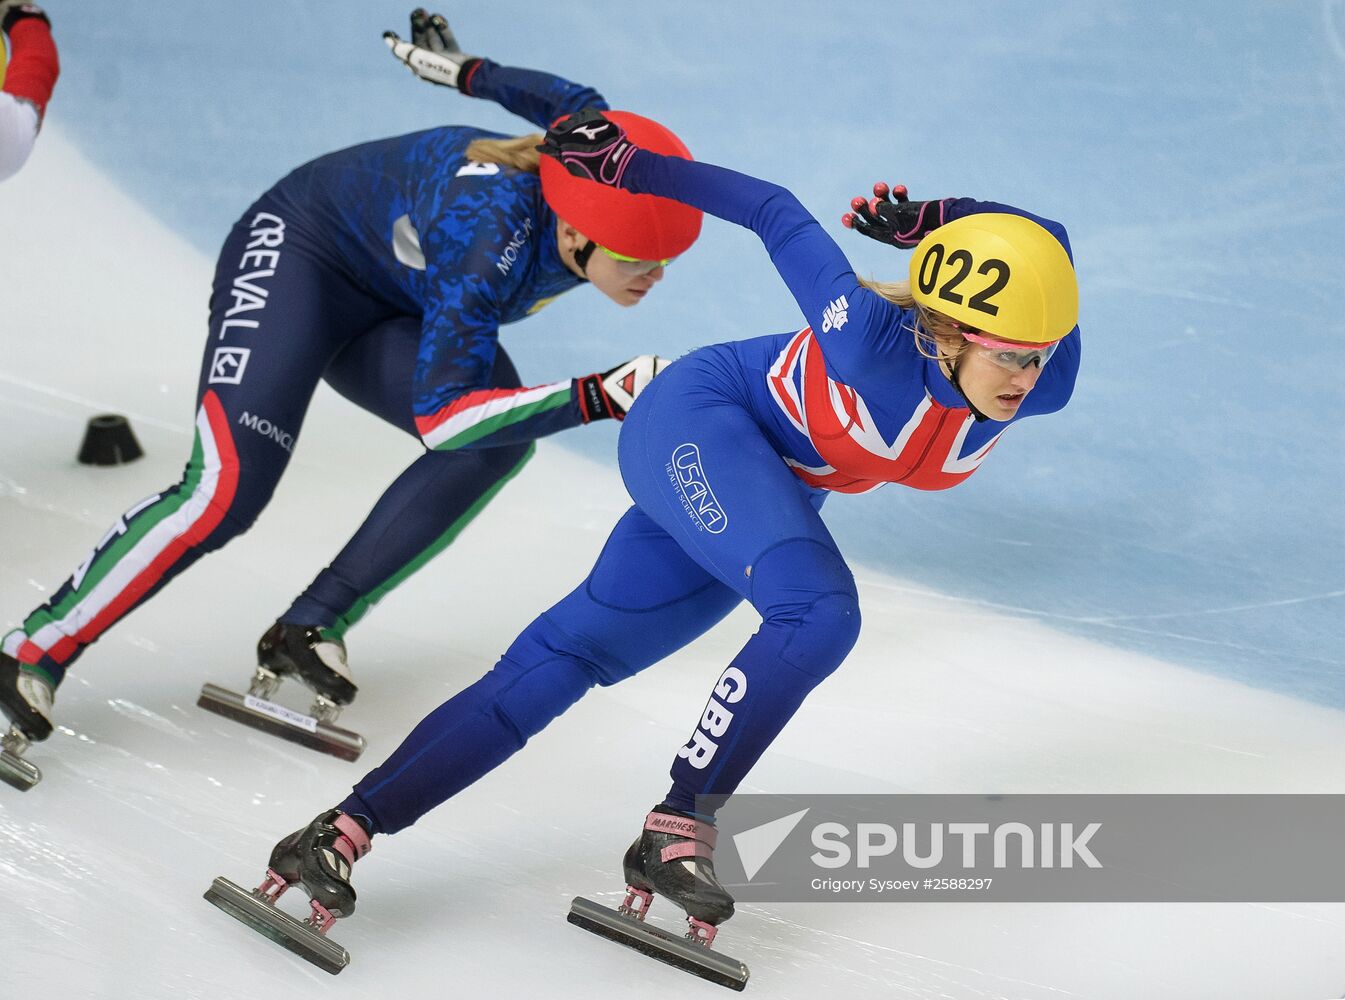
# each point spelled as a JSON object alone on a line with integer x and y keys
{"x": 718, "y": 518}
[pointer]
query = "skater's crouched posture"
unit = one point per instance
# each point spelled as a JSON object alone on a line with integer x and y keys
{"x": 729, "y": 456}
{"x": 386, "y": 270}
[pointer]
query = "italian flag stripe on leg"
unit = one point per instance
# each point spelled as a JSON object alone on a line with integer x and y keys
{"x": 161, "y": 534}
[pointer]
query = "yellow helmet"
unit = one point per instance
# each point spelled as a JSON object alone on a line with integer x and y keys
{"x": 1001, "y": 274}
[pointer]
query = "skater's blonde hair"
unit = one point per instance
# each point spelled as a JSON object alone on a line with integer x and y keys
{"x": 935, "y": 336}
{"x": 519, "y": 152}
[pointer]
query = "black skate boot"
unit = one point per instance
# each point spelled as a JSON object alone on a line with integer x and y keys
{"x": 301, "y": 652}
{"x": 25, "y": 700}
{"x": 674, "y": 857}
{"x": 298, "y": 651}
{"x": 318, "y": 857}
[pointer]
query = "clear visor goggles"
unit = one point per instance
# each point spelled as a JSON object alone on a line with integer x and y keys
{"x": 1007, "y": 354}
{"x": 634, "y": 265}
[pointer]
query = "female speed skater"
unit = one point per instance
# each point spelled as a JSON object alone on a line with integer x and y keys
{"x": 386, "y": 270}
{"x": 729, "y": 456}
{"x": 29, "y": 67}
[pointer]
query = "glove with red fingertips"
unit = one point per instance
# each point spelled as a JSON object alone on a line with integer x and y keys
{"x": 891, "y": 217}
{"x": 589, "y": 145}
{"x": 612, "y": 393}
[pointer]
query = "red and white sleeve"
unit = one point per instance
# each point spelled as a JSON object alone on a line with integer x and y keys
{"x": 28, "y": 82}
{"x": 33, "y": 63}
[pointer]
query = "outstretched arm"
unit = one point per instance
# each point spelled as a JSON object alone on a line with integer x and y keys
{"x": 433, "y": 55}
{"x": 870, "y": 351}
{"x": 813, "y": 267}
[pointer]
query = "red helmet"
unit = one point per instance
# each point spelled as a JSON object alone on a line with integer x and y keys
{"x": 644, "y": 226}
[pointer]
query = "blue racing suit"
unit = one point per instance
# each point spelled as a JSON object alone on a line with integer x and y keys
{"x": 728, "y": 455}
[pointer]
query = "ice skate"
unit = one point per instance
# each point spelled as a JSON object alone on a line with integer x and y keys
{"x": 300, "y": 652}
{"x": 319, "y": 858}
{"x": 673, "y": 857}
{"x": 25, "y": 700}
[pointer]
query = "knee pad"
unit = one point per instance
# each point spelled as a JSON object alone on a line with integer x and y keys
{"x": 804, "y": 587}
{"x": 542, "y": 692}
{"x": 543, "y": 673}
{"x": 822, "y": 637}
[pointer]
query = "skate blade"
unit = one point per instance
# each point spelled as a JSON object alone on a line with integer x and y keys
{"x": 17, "y": 772}
{"x": 649, "y": 940}
{"x": 265, "y": 918}
{"x": 280, "y": 721}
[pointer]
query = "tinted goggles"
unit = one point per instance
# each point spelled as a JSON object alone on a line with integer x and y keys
{"x": 1007, "y": 354}
{"x": 634, "y": 265}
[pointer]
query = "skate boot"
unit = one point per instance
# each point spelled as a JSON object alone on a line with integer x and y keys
{"x": 673, "y": 857}
{"x": 297, "y": 651}
{"x": 301, "y": 652}
{"x": 318, "y": 857}
{"x": 25, "y": 700}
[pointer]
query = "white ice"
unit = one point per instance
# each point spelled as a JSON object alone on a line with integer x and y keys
{"x": 146, "y": 798}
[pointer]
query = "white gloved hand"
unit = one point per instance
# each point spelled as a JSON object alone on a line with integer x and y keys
{"x": 613, "y": 392}
{"x": 433, "y": 53}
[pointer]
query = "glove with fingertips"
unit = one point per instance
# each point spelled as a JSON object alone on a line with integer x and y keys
{"x": 432, "y": 54}
{"x": 891, "y": 217}
{"x": 587, "y": 144}
{"x": 613, "y": 392}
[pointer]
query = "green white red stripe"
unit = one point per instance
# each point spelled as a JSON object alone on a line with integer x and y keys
{"x": 149, "y": 544}
{"x": 478, "y": 414}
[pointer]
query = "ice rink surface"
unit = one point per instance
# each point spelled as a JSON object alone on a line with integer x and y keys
{"x": 1164, "y": 619}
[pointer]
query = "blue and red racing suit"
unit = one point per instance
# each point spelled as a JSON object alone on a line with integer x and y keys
{"x": 385, "y": 269}
{"x": 728, "y": 455}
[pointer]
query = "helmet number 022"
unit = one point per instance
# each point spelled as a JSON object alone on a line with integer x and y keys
{"x": 933, "y": 264}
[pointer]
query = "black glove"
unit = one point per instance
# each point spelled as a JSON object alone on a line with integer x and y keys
{"x": 433, "y": 53}
{"x": 899, "y": 222}
{"x": 588, "y": 145}
{"x": 611, "y": 393}
{"x": 14, "y": 11}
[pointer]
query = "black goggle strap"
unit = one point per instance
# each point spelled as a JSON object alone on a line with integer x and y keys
{"x": 582, "y": 255}
{"x": 952, "y": 377}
